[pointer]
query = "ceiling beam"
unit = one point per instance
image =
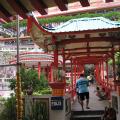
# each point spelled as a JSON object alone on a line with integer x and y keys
{"x": 88, "y": 48}
{"x": 85, "y": 53}
{"x": 14, "y": 38}
{"x": 102, "y": 6}
{"x": 2, "y": 15}
{"x": 40, "y": 6}
{"x": 90, "y": 57}
{"x": 108, "y": 1}
{"x": 84, "y": 3}
{"x": 94, "y": 39}
{"x": 18, "y": 7}
{"x": 62, "y": 4}
{"x": 22, "y": 6}
{"x": 4, "y": 11}
{"x": 84, "y": 48}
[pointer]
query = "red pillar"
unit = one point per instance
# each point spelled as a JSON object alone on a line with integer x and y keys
{"x": 114, "y": 75}
{"x": 100, "y": 72}
{"x": 55, "y": 65}
{"x": 72, "y": 94}
{"x": 107, "y": 72}
{"x": 51, "y": 73}
{"x": 58, "y": 87}
{"x": 81, "y": 69}
{"x": 47, "y": 72}
{"x": 55, "y": 52}
{"x": 74, "y": 72}
{"x": 103, "y": 70}
{"x": 63, "y": 53}
{"x": 39, "y": 70}
{"x": 97, "y": 72}
{"x": 77, "y": 69}
{"x": 114, "y": 67}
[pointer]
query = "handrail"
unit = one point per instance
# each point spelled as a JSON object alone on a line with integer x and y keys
{"x": 108, "y": 87}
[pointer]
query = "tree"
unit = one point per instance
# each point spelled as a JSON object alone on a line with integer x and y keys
{"x": 29, "y": 79}
{"x": 9, "y": 111}
{"x": 117, "y": 62}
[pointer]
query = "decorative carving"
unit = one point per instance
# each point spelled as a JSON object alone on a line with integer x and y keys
{"x": 114, "y": 34}
{"x": 102, "y": 34}
{"x": 72, "y": 36}
{"x": 37, "y": 36}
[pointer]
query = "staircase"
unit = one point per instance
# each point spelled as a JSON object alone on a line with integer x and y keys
{"x": 87, "y": 115}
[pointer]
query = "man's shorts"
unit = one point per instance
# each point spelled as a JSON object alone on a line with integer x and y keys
{"x": 84, "y": 96}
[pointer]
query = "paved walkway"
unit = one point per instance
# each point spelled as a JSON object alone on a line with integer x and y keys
{"x": 94, "y": 104}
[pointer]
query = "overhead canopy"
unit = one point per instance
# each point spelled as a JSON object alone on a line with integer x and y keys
{"x": 96, "y": 38}
{"x": 33, "y": 57}
{"x": 9, "y": 8}
{"x": 85, "y": 24}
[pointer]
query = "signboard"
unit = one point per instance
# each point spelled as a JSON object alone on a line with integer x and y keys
{"x": 58, "y": 92}
{"x": 56, "y": 103}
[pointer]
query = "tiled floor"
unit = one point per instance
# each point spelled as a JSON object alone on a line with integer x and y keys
{"x": 94, "y": 104}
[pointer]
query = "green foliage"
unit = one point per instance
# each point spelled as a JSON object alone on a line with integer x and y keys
{"x": 9, "y": 111}
{"x": 110, "y": 15}
{"x": 117, "y": 59}
{"x": 12, "y": 84}
{"x": 117, "y": 62}
{"x": 68, "y": 82}
{"x": 29, "y": 77}
{"x": 39, "y": 111}
{"x": 46, "y": 91}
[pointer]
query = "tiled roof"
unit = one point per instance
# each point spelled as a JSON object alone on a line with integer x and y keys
{"x": 83, "y": 24}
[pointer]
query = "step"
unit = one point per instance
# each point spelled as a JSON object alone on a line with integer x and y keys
{"x": 89, "y": 112}
{"x": 86, "y": 117}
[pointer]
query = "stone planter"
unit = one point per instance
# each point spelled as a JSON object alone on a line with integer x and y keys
{"x": 58, "y": 88}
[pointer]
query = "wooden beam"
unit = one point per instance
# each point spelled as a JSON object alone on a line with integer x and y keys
{"x": 4, "y": 11}
{"x": 88, "y": 48}
{"x": 83, "y": 48}
{"x": 90, "y": 57}
{"x": 85, "y": 53}
{"x": 40, "y": 6}
{"x": 22, "y": 6}
{"x": 94, "y": 39}
{"x": 2, "y": 15}
{"x": 18, "y": 7}
{"x": 62, "y": 4}
{"x": 87, "y": 9}
{"x": 84, "y": 3}
{"x": 14, "y": 38}
{"x": 108, "y": 1}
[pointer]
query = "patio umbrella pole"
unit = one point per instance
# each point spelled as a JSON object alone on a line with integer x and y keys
{"x": 19, "y": 107}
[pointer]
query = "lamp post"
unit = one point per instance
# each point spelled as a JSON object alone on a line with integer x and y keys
{"x": 19, "y": 103}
